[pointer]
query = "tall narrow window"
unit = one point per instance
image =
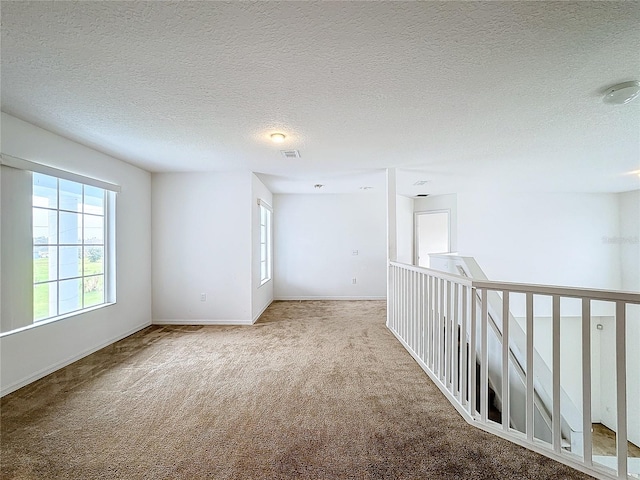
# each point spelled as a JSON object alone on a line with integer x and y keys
{"x": 265, "y": 243}
{"x": 69, "y": 232}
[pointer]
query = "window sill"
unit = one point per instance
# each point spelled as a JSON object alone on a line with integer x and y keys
{"x": 264, "y": 282}
{"x": 55, "y": 319}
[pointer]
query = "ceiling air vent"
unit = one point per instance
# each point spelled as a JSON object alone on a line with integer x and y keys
{"x": 290, "y": 153}
{"x": 422, "y": 195}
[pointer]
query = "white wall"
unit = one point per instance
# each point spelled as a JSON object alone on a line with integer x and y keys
{"x": 35, "y": 352}
{"x": 314, "y": 240}
{"x": 201, "y": 227}
{"x": 583, "y": 240}
{"x": 17, "y": 250}
{"x": 261, "y": 295}
{"x": 553, "y": 239}
{"x": 404, "y": 230}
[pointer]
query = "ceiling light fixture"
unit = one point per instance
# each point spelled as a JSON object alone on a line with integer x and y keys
{"x": 277, "y": 137}
{"x": 622, "y": 93}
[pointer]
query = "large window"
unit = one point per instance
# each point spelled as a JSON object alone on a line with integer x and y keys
{"x": 69, "y": 240}
{"x": 265, "y": 243}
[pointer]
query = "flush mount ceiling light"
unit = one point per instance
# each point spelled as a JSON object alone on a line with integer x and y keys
{"x": 277, "y": 137}
{"x": 622, "y": 93}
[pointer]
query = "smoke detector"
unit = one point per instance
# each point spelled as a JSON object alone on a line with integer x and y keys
{"x": 290, "y": 153}
{"x": 622, "y": 93}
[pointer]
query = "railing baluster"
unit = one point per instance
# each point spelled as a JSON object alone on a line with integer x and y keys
{"x": 423, "y": 353}
{"x": 463, "y": 346}
{"x": 405, "y": 295}
{"x": 429, "y": 319}
{"x": 416, "y": 309}
{"x": 441, "y": 320}
{"x": 411, "y": 313}
{"x": 449, "y": 334}
{"x": 530, "y": 391}
{"x": 455, "y": 343}
{"x": 484, "y": 367}
{"x": 506, "y": 412}
{"x": 586, "y": 382}
{"x": 621, "y": 389}
{"x": 555, "y": 338}
{"x": 432, "y": 320}
{"x": 436, "y": 327}
{"x": 472, "y": 356}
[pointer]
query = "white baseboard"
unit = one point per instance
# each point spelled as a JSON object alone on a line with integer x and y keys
{"x": 68, "y": 361}
{"x": 255, "y": 319}
{"x": 330, "y": 298}
{"x": 179, "y": 321}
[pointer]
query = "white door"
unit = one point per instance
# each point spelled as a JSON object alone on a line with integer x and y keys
{"x": 432, "y": 235}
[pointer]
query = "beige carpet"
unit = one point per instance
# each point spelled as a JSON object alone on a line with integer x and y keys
{"x": 315, "y": 390}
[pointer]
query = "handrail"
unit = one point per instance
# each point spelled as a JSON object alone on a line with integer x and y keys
{"x": 573, "y": 292}
{"x": 550, "y": 290}
{"x": 437, "y": 273}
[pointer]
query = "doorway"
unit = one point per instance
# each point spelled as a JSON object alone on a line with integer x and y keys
{"x": 432, "y": 235}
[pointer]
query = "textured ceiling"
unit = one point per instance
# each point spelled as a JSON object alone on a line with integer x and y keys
{"x": 466, "y": 95}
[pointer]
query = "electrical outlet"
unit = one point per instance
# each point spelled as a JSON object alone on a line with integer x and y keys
{"x": 353, "y": 281}
{"x": 203, "y": 297}
{"x": 354, "y": 252}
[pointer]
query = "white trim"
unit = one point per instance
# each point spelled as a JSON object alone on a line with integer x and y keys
{"x": 22, "y": 164}
{"x": 180, "y": 321}
{"x": 416, "y": 239}
{"x": 47, "y": 321}
{"x": 256, "y": 317}
{"x": 58, "y": 365}
{"x": 261, "y": 202}
{"x": 328, "y": 298}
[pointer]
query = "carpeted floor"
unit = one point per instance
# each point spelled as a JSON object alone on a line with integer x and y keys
{"x": 314, "y": 390}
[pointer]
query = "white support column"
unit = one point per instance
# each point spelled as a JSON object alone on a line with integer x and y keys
{"x": 392, "y": 229}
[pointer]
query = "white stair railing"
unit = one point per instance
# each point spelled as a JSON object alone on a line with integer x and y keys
{"x": 437, "y": 319}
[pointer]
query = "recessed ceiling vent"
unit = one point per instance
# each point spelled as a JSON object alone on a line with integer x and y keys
{"x": 422, "y": 195}
{"x": 290, "y": 153}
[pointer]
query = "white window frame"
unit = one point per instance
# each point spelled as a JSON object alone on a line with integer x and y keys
{"x": 111, "y": 190}
{"x": 265, "y": 221}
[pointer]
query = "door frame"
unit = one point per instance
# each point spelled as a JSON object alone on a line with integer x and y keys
{"x": 416, "y": 236}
